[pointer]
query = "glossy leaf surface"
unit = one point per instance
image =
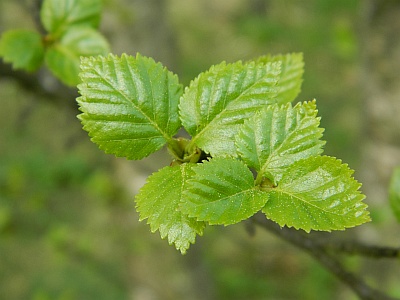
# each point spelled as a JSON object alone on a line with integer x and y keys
{"x": 219, "y": 100}
{"x": 129, "y": 105}
{"x": 222, "y": 191}
{"x": 318, "y": 193}
{"x": 290, "y": 79}
{"x": 23, "y": 48}
{"x": 278, "y": 136}
{"x": 159, "y": 200}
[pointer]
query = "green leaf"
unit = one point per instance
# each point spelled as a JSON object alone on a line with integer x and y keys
{"x": 58, "y": 15}
{"x": 394, "y": 193}
{"x": 278, "y": 136}
{"x": 219, "y": 100}
{"x": 129, "y": 105}
{"x": 23, "y": 48}
{"x": 158, "y": 201}
{"x": 63, "y": 58}
{"x": 317, "y": 193}
{"x": 222, "y": 191}
{"x": 292, "y": 69}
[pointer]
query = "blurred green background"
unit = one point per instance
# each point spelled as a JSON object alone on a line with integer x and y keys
{"x": 68, "y": 227}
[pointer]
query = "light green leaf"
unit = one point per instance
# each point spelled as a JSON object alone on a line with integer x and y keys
{"x": 278, "y": 136}
{"x": 222, "y": 191}
{"x": 394, "y": 193}
{"x": 317, "y": 193}
{"x": 23, "y": 48}
{"x": 292, "y": 69}
{"x": 129, "y": 105}
{"x": 219, "y": 100}
{"x": 158, "y": 201}
{"x": 63, "y": 58}
{"x": 58, "y": 15}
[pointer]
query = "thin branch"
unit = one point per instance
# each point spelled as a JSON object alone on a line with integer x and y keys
{"x": 297, "y": 238}
{"x": 357, "y": 248}
{"x": 42, "y": 84}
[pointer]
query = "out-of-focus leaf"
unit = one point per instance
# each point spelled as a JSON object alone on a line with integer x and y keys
{"x": 222, "y": 191}
{"x": 219, "y": 100}
{"x": 58, "y": 15}
{"x": 23, "y": 48}
{"x": 158, "y": 201}
{"x": 278, "y": 136}
{"x": 394, "y": 193}
{"x": 318, "y": 193}
{"x": 63, "y": 57}
{"x": 129, "y": 105}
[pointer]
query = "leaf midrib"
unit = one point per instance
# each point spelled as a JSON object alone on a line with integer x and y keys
{"x": 126, "y": 98}
{"x": 226, "y": 197}
{"x": 217, "y": 117}
{"x": 273, "y": 153}
{"x": 308, "y": 203}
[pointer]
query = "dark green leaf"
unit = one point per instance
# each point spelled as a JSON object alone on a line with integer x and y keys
{"x": 159, "y": 201}
{"x": 129, "y": 105}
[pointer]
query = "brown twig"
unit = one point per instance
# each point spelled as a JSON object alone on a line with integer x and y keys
{"x": 43, "y": 85}
{"x": 297, "y": 238}
{"x": 357, "y": 248}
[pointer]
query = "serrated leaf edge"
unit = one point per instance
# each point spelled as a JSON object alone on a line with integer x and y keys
{"x": 91, "y": 60}
{"x": 253, "y": 189}
{"x": 182, "y": 247}
{"x": 360, "y": 204}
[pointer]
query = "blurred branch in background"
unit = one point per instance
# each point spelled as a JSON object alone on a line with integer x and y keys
{"x": 320, "y": 253}
{"x": 358, "y": 248}
{"x": 43, "y": 84}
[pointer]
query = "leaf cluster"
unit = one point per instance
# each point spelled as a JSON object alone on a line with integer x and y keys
{"x": 250, "y": 149}
{"x": 71, "y": 27}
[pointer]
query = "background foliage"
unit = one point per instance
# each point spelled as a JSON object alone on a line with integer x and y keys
{"x": 68, "y": 228}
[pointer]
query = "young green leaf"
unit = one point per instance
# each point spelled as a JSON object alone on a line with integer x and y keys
{"x": 129, "y": 105}
{"x": 219, "y": 100}
{"x": 23, "y": 48}
{"x": 290, "y": 80}
{"x": 394, "y": 193}
{"x": 317, "y": 193}
{"x": 159, "y": 200}
{"x": 63, "y": 58}
{"x": 278, "y": 136}
{"x": 222, "y": 191}
{"x": 58, "y": 15}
